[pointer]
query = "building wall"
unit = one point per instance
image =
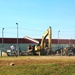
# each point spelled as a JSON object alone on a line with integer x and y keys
{"x": 24, "y": 43}
{"x": 22, "y": 47}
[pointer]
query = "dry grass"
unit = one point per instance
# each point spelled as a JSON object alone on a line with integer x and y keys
{"x": 38, "y": 65}
{"x": 37, "y": 60}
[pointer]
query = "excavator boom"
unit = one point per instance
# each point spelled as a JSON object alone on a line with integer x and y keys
{"x": 48, "y": 33}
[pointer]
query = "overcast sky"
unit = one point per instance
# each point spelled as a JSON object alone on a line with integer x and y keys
{"x": 35, "y": 16}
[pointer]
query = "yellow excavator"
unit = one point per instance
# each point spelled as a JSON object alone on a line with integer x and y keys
{"x": 45, "y": 48}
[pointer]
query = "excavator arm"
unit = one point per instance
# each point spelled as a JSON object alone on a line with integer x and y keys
{"x": 48, "y": 33}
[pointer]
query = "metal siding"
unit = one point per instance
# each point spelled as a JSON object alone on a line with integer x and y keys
{"x": 22, "y": 40}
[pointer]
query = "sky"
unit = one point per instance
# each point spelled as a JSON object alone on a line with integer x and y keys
{"x": 35, "y": 16}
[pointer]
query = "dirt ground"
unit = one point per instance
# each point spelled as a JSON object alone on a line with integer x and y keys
{"x": 5, "y": 61}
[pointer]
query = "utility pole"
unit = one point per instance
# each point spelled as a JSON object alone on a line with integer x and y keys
{"x": 17, "y": 39}
{"x": 2, "y": 38}
{"x": 58, "y": 39}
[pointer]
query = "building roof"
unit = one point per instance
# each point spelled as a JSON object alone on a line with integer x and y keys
{"x": 14, "y": 40}
{"x": 25, "y": 40}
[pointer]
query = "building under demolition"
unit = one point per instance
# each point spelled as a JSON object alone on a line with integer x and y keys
{"x": 23, "y": 43}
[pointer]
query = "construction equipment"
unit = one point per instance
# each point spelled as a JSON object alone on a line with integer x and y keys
{"x": 45, "y": 48}
{"x": 42, "y": 48}
{"x": 67, "y": 51}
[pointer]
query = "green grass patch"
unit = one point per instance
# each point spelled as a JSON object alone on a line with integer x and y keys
{"x": 38, "y": 69}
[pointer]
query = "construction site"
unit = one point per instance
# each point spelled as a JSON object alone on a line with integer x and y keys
{"x": 37, "y": 37}
{"x": 45, "y": 56}
{"x": 29, "y": 46}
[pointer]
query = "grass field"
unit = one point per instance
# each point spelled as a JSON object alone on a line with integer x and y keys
{"x": 38, "y": 65}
